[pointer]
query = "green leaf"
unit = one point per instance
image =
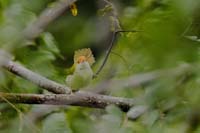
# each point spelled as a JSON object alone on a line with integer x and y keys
{"x": 55, "y": 123}
{"x": 50, "y": 43}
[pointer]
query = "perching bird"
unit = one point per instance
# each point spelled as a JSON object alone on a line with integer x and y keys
{"x": 82, "y": 72}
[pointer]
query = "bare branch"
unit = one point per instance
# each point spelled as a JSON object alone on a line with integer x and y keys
{"x": 80, "y": 98}
{"x": 141, "y": 79}
{"x": 111, "y": 44}
{"x": 36, "y": 78}
{"x": 115, "y": 28}
{"x": 133, "y": 81}
{"x": 46, "y": 17}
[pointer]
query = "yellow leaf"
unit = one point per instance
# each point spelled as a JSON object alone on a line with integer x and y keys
{"x": 74, "y": 9}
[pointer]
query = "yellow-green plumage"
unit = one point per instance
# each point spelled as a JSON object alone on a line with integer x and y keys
{"x": 81, "y": 77}
{"x": 80, "y": 74}
{"x": 70, "y": 70}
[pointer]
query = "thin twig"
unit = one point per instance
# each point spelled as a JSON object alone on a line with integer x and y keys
{"x": 107, "y": 53}
{"x": 116, "y": 29}
{"x": 111, "y": 44}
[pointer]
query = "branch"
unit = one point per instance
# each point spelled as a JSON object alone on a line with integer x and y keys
{"x": 141, "y": 78}
{"x": 144, "y": 78}
{"x": 133, "y": 81}
{"x": 36, "y": 78}
{"x": 111, "y": 44}
{"x": 80, "y": 98}
{"x": 46, "y": 17}
{"x": 115, "y": 28}
{"x": 85, "y": 99}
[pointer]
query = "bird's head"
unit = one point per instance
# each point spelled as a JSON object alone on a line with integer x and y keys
{"x": 82, "y": 63}
{"x": 83, "y": 55}
{"x": 81, "y": 59}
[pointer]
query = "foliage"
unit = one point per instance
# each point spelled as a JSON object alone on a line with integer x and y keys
{"x": 168, "y": 37}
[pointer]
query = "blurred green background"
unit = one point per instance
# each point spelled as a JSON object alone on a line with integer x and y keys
{"x": 169, "y": 37}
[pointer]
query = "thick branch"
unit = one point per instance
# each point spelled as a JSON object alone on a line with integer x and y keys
{"x": 36, "y": 78}
{"x": 46, "y": 17}
{"x": 81, "y": 98}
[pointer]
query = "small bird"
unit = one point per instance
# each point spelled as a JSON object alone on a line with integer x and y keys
{"x": 82, "y": 72}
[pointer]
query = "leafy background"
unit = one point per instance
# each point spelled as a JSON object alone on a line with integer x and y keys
{"x": 168, "y": 37}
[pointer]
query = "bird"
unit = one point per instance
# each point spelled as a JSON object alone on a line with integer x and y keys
{"x": 82, "y": 73}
